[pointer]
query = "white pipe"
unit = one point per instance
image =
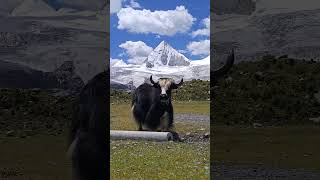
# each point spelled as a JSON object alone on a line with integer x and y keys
{"x": 141, "y": 135}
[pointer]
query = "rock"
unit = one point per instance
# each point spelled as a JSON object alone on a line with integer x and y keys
{"x": 206, "y": 135}
{"x": 229, "y": 79}
{"x": 317, "y": 96}
{"x": 22, "y": 135}
{"x": 283, "y": 57}
{"x": 62, "y": 93}
{"x": 259, "y": 76}
{"x": 315, "y": 120}
{"x": 67, "y": 77}
{"x": 243, "y": 7}
{"x": 10, "y": 133}
{"x": 257, "y": 125}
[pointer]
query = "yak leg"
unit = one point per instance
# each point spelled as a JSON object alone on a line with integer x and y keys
{"x": 170, "y": 119}
{"x": 138, "y": 115}
{"x": 153, "y": 117}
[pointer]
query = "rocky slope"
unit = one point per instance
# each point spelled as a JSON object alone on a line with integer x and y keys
{"x": 13, "y": 75}
{"x": 33, "y": 8}
{"x": 43, "y": 41}
{"x": 274, "y": 27}
{"x": 165, "y": 55}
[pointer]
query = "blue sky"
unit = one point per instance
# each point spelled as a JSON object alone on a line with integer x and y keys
{"x": 137, "y": 26}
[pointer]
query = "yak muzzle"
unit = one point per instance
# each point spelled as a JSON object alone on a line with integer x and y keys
{"x": 164, "y": 99}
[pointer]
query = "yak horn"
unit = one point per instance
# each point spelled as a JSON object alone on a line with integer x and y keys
{"x": 224, "y": 69}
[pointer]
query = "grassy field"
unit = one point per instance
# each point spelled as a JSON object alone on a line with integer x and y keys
{"x": 160, "y": 160}
{"x": 121, "y": 116}
{"x": 287, "y": 147}
{"x": 41, "y": 157}
{"x": 34, "y": 158}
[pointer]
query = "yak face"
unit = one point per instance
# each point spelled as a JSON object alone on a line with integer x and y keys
{"x": 165, "y": 85}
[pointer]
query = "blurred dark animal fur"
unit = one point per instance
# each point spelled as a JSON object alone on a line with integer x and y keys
{"x": 88, "y": 143}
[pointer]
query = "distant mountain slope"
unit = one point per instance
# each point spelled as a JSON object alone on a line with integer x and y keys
{"x": 163, "y": 61}
{"x": 164, "y": 54}
{"x": 13, "y": 75}
{"x": 274, "y": 27}
{"x": 33, "y": 8}
{"x": 6, "y": 6}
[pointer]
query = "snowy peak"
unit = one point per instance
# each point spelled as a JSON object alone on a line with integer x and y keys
{"x": 33, "y": 8}
{"x": 205, "y": 61}
{"x": 117, "y": 63}
{"x": 165, "y": 55}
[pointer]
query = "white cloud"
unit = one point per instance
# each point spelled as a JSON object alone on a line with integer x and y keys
{"x": 133, "y": 4}
{"x": 182, "y": 51}
{"x": 115, "y": 6}
{"x": 205, "y": 31}
{"x": 137, "y": 51}
{"x": 199, "y": 47}
{"x": 159, "y": 22}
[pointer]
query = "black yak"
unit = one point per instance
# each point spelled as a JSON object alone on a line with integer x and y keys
{"x": 88, "y": 147}
{"x": 151, "y": 104}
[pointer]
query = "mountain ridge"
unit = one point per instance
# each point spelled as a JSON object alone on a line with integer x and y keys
{"x": 161, "y": 67}
{"x": 165, "y": 54}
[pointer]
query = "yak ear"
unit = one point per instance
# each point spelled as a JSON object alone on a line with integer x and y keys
{"x": 176, "y": 86}
{"x": 155, "y": 84}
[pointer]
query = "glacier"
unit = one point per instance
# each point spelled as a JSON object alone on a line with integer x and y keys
{"x": 163, "y": 61}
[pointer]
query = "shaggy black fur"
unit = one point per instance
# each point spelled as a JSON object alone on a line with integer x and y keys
{"x": 148, "y": 106}
{"x": 89, "y": 145}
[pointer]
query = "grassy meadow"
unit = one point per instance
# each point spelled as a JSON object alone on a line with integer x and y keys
{"x": 160, "y": 160}
{"x": 281, "y": 94}
{"x": 283, "y": 147}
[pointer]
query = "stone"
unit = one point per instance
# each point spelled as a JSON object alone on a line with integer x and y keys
{"x": 10, "y": 133}
{"x": 206, "y": 135}
{"x": 315, "y": 120}
{"x": 317, "y": 96}
{"x": 257, "y": 125}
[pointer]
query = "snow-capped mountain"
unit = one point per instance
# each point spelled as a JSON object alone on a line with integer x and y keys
{"x": 167, "y": 62}
{"x": 33, "y": 8}
{"x": 165, "y": 55}
{"x": 263, "y": 27}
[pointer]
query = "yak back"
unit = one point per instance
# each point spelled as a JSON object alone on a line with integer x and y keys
{"x": 145, "y": 95}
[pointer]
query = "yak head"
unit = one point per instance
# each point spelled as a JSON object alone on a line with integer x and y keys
{"x": 165, "y": 85}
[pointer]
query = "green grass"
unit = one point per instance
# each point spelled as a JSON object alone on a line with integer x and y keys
{"x": 154, "y": 160}
{"x": 287, "y": 147}
{"x": 36, "y": 158}
{"x": 272, "y": 92}
{"x": 121, "y": 116}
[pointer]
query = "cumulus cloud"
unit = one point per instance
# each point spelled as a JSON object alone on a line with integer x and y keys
{"x": 115, "y": 6}
{"x": 133, "y": 4}
{"x": 199, "y": 47}
{"x": 204, "y": 31}
{"x": 158, "y": 22}
{"x": 138, "y": 51}
{"x": 182, "y": 51}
